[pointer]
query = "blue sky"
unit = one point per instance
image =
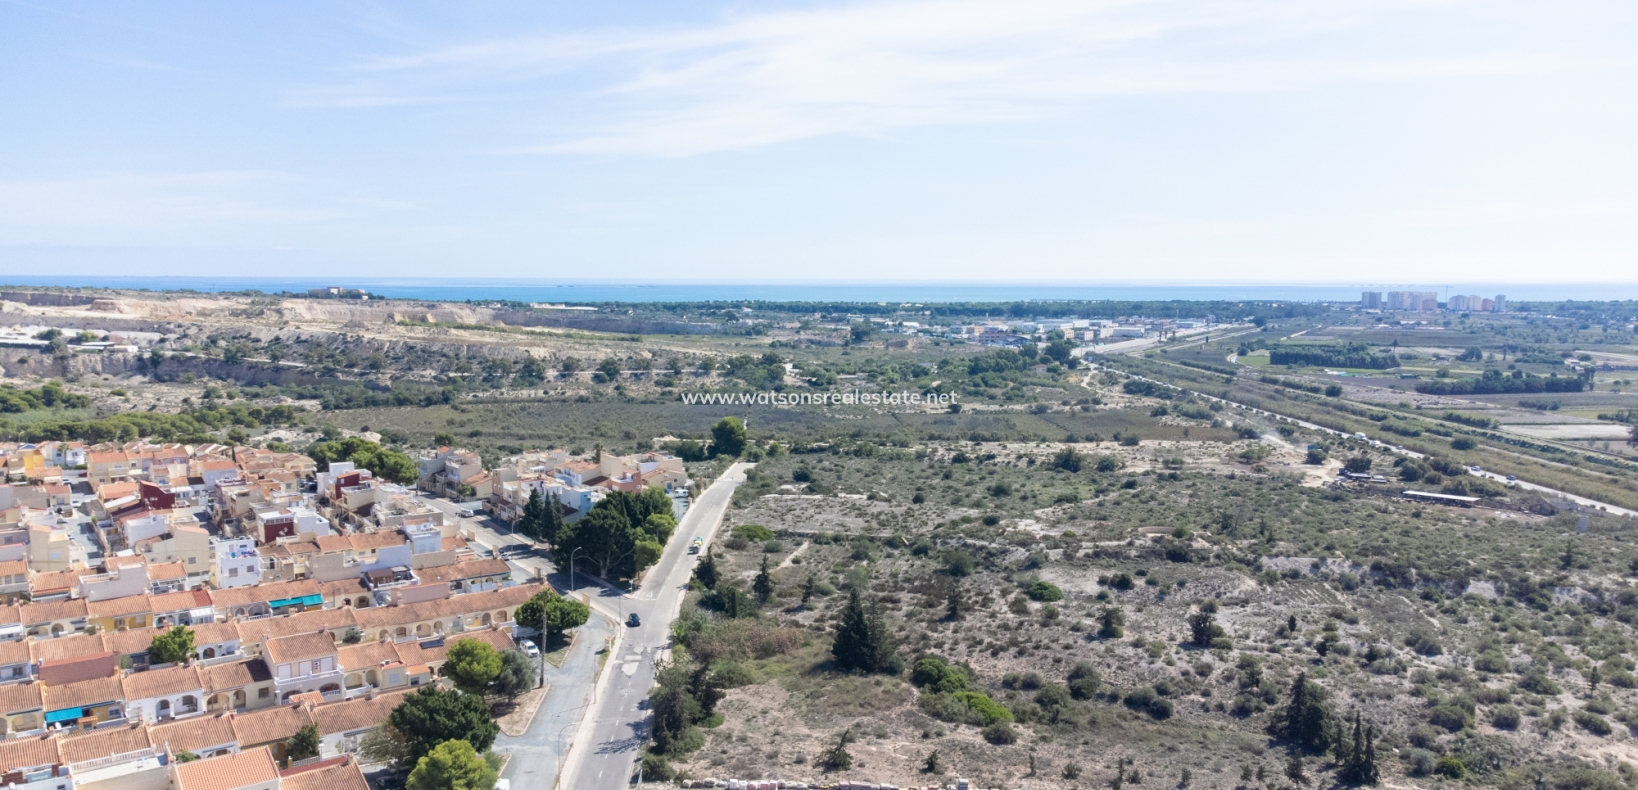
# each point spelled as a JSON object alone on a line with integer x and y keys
{"x": 1095, "y": 141}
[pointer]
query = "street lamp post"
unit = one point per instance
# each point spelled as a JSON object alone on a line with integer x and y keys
{"x": 571, "y": 566}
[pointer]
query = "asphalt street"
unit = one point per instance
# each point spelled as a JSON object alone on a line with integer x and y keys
{"x": 606, "y": 754}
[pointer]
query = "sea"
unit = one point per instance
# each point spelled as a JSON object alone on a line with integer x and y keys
{"x": 598, "y": 292}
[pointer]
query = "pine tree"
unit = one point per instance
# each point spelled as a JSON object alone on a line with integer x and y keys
{"x": 763, "y": 586}
{"x": 952, "y": 608}
{"x": 807, "y": 590}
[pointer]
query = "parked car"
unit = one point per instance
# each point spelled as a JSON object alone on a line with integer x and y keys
{"x": 634, "y": 620}
{"x": 529, "y": 648}
{"x": 1512, "y": 478}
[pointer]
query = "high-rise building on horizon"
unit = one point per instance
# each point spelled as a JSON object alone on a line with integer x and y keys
{"x": 1370, "y": 300}
{"x": 1501, "y": 304}
{"x": 1420, "y": 301}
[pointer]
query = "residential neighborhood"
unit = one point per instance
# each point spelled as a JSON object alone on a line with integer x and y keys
{"x": 315, "y": 595}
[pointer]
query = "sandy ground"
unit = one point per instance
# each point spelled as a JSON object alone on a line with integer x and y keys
{"x": 519, "y": 713}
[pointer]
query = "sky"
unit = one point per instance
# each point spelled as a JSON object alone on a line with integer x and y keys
{"x": 1187, "y": 141}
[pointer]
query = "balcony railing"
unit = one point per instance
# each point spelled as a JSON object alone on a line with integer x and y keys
{"x": 112, "y": 759}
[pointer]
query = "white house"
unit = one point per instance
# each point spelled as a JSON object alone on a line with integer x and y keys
{"x": 235, "y": 563}
{"x": 162, "y": 694}
{"x": 301, "y": 663}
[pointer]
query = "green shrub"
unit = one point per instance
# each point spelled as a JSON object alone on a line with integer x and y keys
{"x": 1450, "y": 767}
{"x": 938, "y": 676}
{"x": 1084, "y": 681}
{"x": 1045, "y": 591}
{"x": 1592, "y": 722}
{"x": 754, "y": 532}
{"x": 1000, "y": 733}
{"x": 986, "y": 710}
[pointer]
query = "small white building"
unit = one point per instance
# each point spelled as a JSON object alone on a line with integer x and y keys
{"x": 235, "y": 563}
{"x": 163, "y": 694}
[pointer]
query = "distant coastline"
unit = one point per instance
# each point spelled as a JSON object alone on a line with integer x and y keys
{"x": 589, "y": 292}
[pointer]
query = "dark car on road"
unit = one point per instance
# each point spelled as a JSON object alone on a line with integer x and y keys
{"x": 634, "y": 620}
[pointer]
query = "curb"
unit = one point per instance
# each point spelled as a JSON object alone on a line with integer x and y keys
{"x": 575, "y": 756}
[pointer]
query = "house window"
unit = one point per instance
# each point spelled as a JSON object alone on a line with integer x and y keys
{"x": 318, "y": 666}
{"x": 233, "y": 573}
{"x": 261, "y": 693}
{"x": 193, "y": 560}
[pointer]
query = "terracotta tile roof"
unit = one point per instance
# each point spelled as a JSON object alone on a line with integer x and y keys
{"x": 267, "y": 726}
{"x": 333, "y": 543}
{"x": 9, "y": 615}
{"x": 62, "y": 647}
{"x": 299, "y": 647}
{"x": 119, "y": 607}
{"x": 15, "y": 652}
{"x": 452, "y": 544}
{"x": 471, "y": 569}
{"x": 29, "y": 753}
{"x": 368, "y": 541}
{"x": 471, "y": 603}
{"x": 262, "y": 593}
{"x": 85, "y": 692}
{"x": 14, "y": 567}
{"x": 19, "y": 697}
{"x": 52, "y": 611}
{"x": 338, "y": 621}
{"x": 163, "y": 683}
{"x": 215, "y": 633}
{"x": 105, "y": 741}
{"x": 356, "y": 714}
{"x": 194, "y": 734}
{"x": 228, "y": 772}
{"x": 345, "y": 588}
{"x": 167, "y": 570}
{"x": 238, "y": 674}
{"x": 130, "y": 642}
{"x": 313, "y": 765}
{"x": 365, "y": 655}
{"x": 179, "y": 601}
{"x": 345, "y": 776}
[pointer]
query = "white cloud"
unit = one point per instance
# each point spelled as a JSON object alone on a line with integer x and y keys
{"x": 868, "y": 69}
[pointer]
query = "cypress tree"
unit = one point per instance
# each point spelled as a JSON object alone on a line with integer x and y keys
{"x": 862, "y": 640}
{"x": 851, "y": 646}
{"x": 1303, "y": 721}
{"x": 1359, "y": 764}
{"x": 763, "y": 586}
{"x": 706, "y": 571}
{"x": 533, "y": 519}
{"x": 551, "y": 524}
{"x": 807, "y": 590}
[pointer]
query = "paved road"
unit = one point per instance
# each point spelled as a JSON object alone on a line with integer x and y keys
{"x": 606, "y": 754}
{"x": 537, "y": 754}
